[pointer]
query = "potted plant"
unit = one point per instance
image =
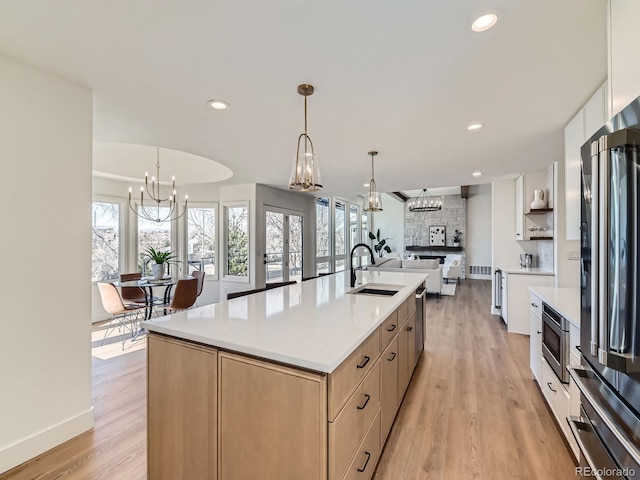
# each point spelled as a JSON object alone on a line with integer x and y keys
{"x": 456, "y": 238}
{"x": 381, "y": 245}
{"x": 158, "y": 258}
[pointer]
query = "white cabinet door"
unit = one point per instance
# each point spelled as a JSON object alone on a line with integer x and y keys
{"x": 535, "y": 345}
{"x": 505, "y": 298}
{"x": 519, "y": 304}
{"x": 520, "y": 208}
{"x": 595, "y": 115}
{"x": 573, "y": 140}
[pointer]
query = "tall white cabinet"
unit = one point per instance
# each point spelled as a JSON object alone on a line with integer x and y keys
{"x": 586, "y": 122}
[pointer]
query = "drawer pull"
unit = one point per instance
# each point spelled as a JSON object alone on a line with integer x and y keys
{"x": 366, "y": 360}
{"x": 368, "y": 397}
{"x": 393, "y": 357}
{"x": 538, "y": 332}
{"x": 534, "y": 305}
{"x": 409, "y": 329}
{"x": 392, "y": 328}
{"x": 550, "y": 387}
{"x": 364, "y": 467}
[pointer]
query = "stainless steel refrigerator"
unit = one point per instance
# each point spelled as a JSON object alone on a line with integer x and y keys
{"x": 608, "y": 430}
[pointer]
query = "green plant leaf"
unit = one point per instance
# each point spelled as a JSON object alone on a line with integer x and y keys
{"x": 372, "y": 236}
{"x": 387, "y": 249}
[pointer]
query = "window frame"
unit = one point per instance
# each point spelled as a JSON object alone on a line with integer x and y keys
{"x": 225, "y": 242}
{"x": 123, "y": 212}
{"x": 184, "y": 229}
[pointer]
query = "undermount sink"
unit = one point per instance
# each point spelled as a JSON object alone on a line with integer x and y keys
{"x": 376, "y": 289}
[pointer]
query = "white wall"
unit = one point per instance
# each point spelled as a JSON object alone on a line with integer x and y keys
{"x": 45, "y": 154}
{"x": 505, "y": 249}
{"x": 624, "y": 70}
{"x": 478, "y": 231}
{"x": 390, "y": 222}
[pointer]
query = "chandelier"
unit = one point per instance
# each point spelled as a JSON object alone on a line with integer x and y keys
{"x": 425, "y": 203}
{"x": 153, "y": 211}
{"x": 305, "y": 173}
{"x": 373, "y": 202}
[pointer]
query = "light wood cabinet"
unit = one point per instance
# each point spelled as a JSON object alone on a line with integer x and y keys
{"x": 181, "y": 410}
{"x": 350, "y": 372}
{"x": 388, "y": 387}
{"x": 535, "y": 337}
{"x": 218, "y": 414}
{"x": 351, "y": 425}
{"x": 273, "y": 421}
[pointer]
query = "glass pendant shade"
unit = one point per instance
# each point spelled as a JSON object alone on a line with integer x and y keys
{"x": 305, "y": 173}
{"x": 373, "y": 200}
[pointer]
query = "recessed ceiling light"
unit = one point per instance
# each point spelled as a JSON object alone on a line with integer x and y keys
{"x": 473, "y": 126}
{"x": 484, "y": 22}
{"x": 477, "y": 173}
{"x": 365, "y": 184}
{"x": 218, "y": 104}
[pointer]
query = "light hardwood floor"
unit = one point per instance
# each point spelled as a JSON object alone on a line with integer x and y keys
{"x": 471, "y": 411}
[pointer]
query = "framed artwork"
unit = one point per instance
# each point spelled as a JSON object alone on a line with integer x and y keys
{"x": 437, "y": 235}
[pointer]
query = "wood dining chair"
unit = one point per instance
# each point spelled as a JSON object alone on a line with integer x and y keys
{"x": 123, "y": 317}
{"x": 198, "y": 275}
{"x": 132, "y": 294}
{"x": 183, "y": 298}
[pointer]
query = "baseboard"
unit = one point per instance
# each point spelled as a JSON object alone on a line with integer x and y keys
{"x": 479, "y": 277}
{"x": 27, "y": 448}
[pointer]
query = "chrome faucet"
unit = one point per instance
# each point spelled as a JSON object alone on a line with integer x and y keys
{"x": 353, "y": 272}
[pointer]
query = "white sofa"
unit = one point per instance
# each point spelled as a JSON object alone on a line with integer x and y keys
{"x": 430, "y": 267}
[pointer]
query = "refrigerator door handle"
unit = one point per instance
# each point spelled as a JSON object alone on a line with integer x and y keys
{"x": 603, "y": 250}
{"x": 595, "y": 254}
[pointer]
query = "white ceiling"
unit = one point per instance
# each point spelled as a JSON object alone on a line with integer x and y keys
{"x": 402, "y": 77}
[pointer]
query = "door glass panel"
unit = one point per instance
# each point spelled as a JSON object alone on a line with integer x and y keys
{"x": 274, "y": 251}
{"x": 322, "y": 267}
{"x": 340, "y": 219}
{"x": 295, "y": 248}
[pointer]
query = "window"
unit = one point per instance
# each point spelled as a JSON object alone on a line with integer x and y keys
{"x": 364, "y": 227}
{"x": 323, "y": 244}
{"x": 201, "y": 240}
{"x": 105, "y": 241}
{"x": 237, "y": 241}
{"x": 153, "y": 234}
{"x": 340, "y": 247}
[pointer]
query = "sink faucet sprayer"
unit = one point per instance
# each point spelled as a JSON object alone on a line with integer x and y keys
{"x": 353, "y": 272}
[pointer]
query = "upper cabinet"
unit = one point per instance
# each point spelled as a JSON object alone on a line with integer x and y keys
{"x": 624, "y": 70}
{"x": 586, "y": 122}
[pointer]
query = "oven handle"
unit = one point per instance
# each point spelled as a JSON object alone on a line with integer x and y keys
{"x": 631, "y": 449}
{"x": 578, "y": 425}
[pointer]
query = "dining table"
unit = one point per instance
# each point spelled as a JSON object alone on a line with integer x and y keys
{"x": 147, "y": 284}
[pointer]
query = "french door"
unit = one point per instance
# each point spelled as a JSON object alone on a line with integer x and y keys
{"x": 283, "y": 245}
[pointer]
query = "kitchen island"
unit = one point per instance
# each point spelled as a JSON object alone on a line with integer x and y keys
{"x": 302, "y": 381}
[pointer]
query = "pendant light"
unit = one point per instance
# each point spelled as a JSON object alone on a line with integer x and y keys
{"x": 425, "y": 203}
{"x": 305, "y": 174}
{"x": 373, "y": 202}
{"x": 154, "y": 209}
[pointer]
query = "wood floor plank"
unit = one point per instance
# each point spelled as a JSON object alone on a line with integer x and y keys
{"x": 472, "y": 411}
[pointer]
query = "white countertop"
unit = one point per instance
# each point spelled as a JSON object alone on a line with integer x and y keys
{"x": 313, "y": 324}
{"x": 566, "y": 301}
{"x": 518, "y": 270}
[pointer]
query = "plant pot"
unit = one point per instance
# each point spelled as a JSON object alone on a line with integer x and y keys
{"x": 456, "y": 244}
{"x": 157, "y": 270}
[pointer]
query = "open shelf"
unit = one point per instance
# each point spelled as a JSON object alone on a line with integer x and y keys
{"x": 539, "y": 211}
{"x": 540, "y": 238}
{"x": 432, "y": 249}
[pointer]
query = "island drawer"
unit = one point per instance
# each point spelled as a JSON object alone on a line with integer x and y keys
{"x": 389, "y": 329}
{"x": 348, "y": 375}
{"x": 351, "y": 425}
{"x": 366, "y": 458}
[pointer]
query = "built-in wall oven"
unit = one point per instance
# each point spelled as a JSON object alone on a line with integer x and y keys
{"x": 555, "y": 341}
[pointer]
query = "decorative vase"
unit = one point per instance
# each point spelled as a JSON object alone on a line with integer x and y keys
{"x": 538, "y": 200}
{"x": 157, "y": 270}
